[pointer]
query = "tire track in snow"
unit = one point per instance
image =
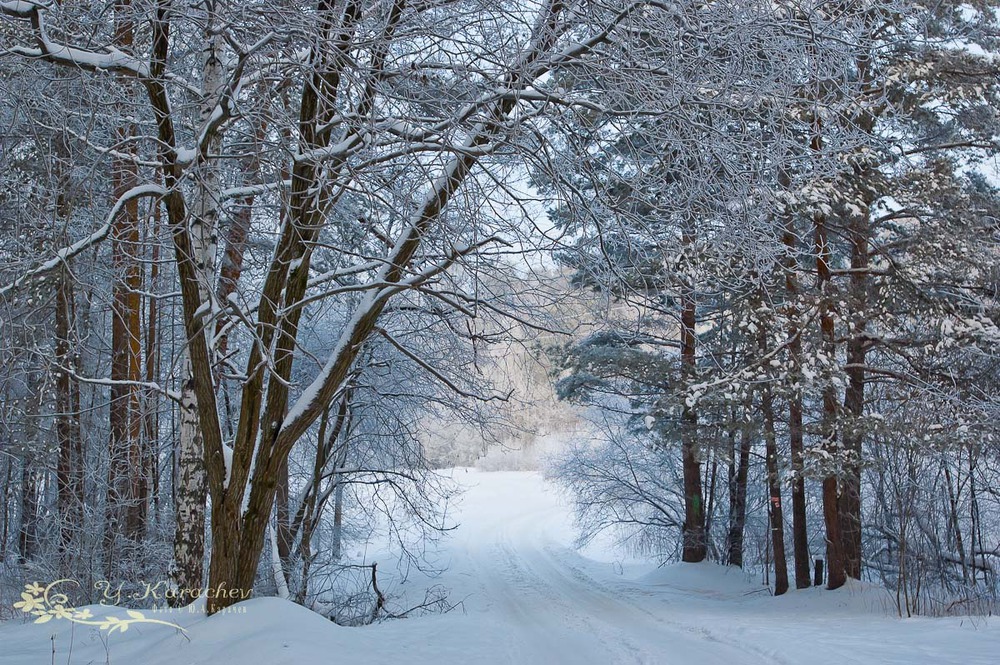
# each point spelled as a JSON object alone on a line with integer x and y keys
{"x": 542, "y": 627}
{"x": 640, "y": 617}
{"x": 575, "y": 621}
{"x": 557, "y": 613}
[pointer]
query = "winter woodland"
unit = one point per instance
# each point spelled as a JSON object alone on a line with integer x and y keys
{"x": 726, "y": 274}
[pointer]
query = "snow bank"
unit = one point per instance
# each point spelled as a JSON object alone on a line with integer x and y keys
{"x": 708, "y": 580}
{"x": 525, "y": 597}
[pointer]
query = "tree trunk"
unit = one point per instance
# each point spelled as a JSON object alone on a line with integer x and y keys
{"x": 338, "y": 517}
{"x": 8, "y": 480}
{"x": 126, "y": 500}
{"x": 331, "y": 448}
{"x": 229, "y": 277}
{"x": 836, "y": 570}
{"x": 854, "y": 397}
{"x": 774, "y": 507}
{"x": 237, "y": 234}
{"x": 69, "y": 467}
{"x": 710, "y": 494}
{"x": 975, "y": 534}
{"x": 695, "y": 547}
{"x": 283, "y": 520}
{"x": 69, "y": 471}
{"x": 27, "y": 537}
{"x": 738, "y": 500}
{"x": 192, "y": 488}
{"x": 956, "y": 528}
{"x": 858, "y": 233}
{"x": 800, "y": 532}
{"x": 150, "y": 416}
{"x": 190, "y": 493}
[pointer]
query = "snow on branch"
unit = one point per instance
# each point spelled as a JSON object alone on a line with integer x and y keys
{"x": 111, "y": 59}
{"x": 427, "y": 367}
{"x": 83, "y": 244}
{"x": 523, "y": 72}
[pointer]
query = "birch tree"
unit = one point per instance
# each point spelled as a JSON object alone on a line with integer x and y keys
{"x": 367, "y": 103}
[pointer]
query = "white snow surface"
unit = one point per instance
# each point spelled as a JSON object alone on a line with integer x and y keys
{"x": 529, "y": 597}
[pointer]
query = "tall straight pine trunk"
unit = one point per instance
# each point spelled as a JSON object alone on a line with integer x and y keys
{"x": 694, "y": 546}
{"x": 858, "y": 235}
{"x": 69, "y": 468}
{"x": 774, "y": 508}
{"x": 739, "y": 468}
{"x": 836, "y": 569}
{"x": 69, "y": 471}
{"x": 150, "y": 415}
{"x": 800, "y": 532}
{"x": 127, "y": 491}
{"x": 854, "y": 398}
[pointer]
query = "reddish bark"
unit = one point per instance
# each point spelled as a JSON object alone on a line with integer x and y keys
{"x": 800, "y": 535}
{"x": 127, "y": 489}
{"x": 836, "y": 570}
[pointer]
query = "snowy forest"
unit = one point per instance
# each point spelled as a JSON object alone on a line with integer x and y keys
{"x": 673, "y": 282}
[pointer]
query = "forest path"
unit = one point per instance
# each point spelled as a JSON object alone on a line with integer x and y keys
{"x": 531, "y": 598}
{"x": 527, "y": 597}
{"x": 555, "y": 606}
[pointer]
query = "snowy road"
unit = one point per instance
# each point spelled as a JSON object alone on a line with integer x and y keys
{"x": 531, "y": 598}
{"x": 528, "y": 598}
{"x": 555, "y": 611}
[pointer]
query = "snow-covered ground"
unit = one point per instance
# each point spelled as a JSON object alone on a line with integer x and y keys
{"x": 528, "y": 597}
